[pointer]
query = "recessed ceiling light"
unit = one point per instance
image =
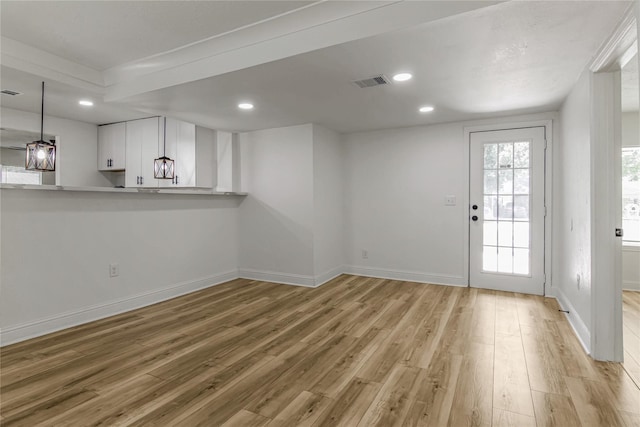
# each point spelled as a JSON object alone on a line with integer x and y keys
{"x": 245, "y": 106}
{"x": 402, "y": 77}
{"x": 426, "y": 109}
{"x": 86, "y": 103}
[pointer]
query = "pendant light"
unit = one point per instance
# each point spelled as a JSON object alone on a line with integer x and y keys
{"x": 163, "y": 166}
{"x": 41, "y": 155}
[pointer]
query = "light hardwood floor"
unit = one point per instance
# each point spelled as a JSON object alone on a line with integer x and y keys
{"x": 631, "y": 333}
{"x": 355, "y": 352}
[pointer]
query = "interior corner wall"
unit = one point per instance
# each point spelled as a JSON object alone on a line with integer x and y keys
{"x": 328, "y": 204}
{"x": 572, "y": 209}
{"x": 276, "y": 218}
{"x": 78, "y": 142}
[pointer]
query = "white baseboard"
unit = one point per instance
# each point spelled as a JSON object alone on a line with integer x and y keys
{"x": 17, "y": 333}
{"x": 628, "y": 285}
{"x": 278, "y": 277}
{"x": 576, "y": 322}
{"x": 329, "y": 275}
{"x": 409, "y": 276}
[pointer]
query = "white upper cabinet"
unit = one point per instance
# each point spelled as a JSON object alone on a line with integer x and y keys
{"x": 133, "y": 146}
{"x": 142, "y": 138}
{"x": 181, "y": 147}
{"x": 111, "y": 147}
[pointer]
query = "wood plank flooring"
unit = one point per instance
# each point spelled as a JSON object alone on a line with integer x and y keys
{"x": 355, "y": 352}
{"x": 631, "y": 333}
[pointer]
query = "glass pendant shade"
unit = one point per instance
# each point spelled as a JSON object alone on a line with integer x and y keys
{"x": 163, "y": 168}
{"x": 41, "y": 156}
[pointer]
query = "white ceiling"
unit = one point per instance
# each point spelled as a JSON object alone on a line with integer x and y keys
{"x": 103, "y": 34}
{"x": 630, "y": 86}
{"x": 514, "y": 57}
{"x": 510, "y": 58}
{"x": 61, "y": 100}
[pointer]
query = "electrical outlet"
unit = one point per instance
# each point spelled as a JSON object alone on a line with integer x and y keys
{"x": 114, "y": 270}
{"x": 450, "y": 200}
{"x": 365, "y": 254}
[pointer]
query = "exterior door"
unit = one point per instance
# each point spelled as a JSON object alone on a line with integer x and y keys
{"x": 507, "y": 212}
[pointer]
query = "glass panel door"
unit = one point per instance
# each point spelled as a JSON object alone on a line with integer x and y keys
{"x": 507, "y": 210}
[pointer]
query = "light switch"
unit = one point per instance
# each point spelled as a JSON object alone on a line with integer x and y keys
{"x": 450, "y": 200}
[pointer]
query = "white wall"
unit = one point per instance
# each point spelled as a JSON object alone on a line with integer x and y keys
{"x": 277, "y": 220}
{"x": 572, "y": 209}
{"x": 328, "y": 203}
{"x": 396, "y": 182}
{"x": 630, "y": 129}
{"x": 57, "y": 246}
{"x": 77, "y": 149}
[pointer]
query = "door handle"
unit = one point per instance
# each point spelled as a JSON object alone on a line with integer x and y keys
{"x": 475, "y": 217}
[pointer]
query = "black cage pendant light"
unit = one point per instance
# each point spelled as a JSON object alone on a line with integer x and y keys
{"x": 41, "y": 155}
{"x": 163, "y": 167}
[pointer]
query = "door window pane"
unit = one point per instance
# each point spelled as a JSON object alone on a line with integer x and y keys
{"x": 505, "y": 260}
{"x": 490, "y": 207}
{"x": 505, "y": 233}
{"x": 491, "y": 156}
{"x": 490, "y": 258}
{"x": 521, "y": 208}
{"x": 507, "y": 189}
{"x": 505, "y": 155}
{"x": 505, "y": 207}
{"x": 521, "y": 234}
{"x": 490, "y": 182}
{"x": 521, "y": 154}
{"x": 490, "y": 233}
{"x": 505, "y": 181}
{"x": 521, "y": 181}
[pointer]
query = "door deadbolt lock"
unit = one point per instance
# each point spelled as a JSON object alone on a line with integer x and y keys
{"x": 475, "y": 217}
{"x": 619, "y": 232}
{"x": 474, "y": 207}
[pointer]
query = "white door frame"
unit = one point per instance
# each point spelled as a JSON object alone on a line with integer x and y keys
{"x": 548, "y": 190}
{"x": 606, "y": 249}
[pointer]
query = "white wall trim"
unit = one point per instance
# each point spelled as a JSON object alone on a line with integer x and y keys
{"x": 576, "y": 322}
{"x": 16, "y": 333}
{"x": 278, "y": 277}
{"x": 323, "y": 278}
{"x": 613, "y": 52}
{"x": 409, "y": 276}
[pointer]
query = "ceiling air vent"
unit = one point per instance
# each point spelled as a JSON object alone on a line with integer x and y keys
{"x": 10, "y": 92}
{"x": 372, "y": 81}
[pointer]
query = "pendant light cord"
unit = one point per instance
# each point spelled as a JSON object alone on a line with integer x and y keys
{"x": 42, "y": 115}
{"x": 164, "y": 140}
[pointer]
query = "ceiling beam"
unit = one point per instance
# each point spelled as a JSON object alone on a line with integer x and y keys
{"x": 317, "y": 26}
